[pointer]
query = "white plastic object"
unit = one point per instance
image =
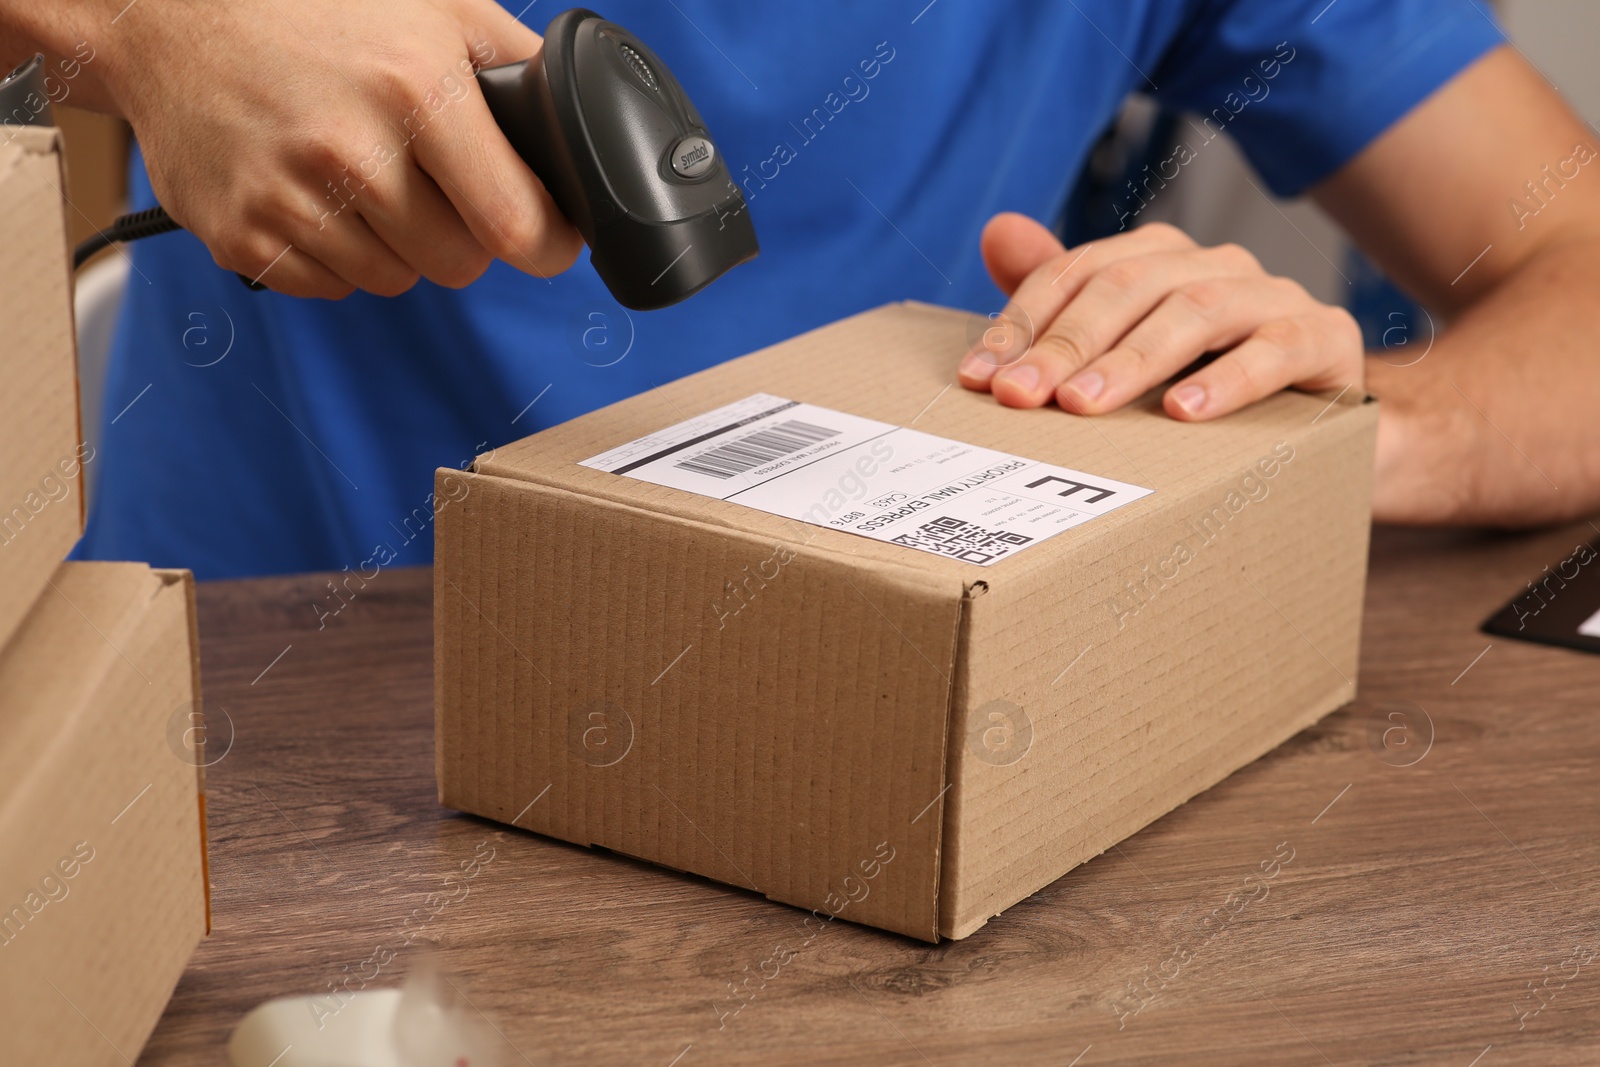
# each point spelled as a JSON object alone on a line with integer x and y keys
{"x": 418, "y": 1025}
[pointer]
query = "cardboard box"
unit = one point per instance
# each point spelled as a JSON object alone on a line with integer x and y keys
{"x": 910, "y": 739}
{"x": 41, "y": 446}
{"x": 103, "y": 891}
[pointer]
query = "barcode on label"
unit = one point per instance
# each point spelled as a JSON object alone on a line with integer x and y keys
{"x": 749, "y": 452}
{"x": 963, "y": 540}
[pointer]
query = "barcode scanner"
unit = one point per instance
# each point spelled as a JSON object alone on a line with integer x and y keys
{"x": 616, "y": 141}
{"x": 622, "y": 150}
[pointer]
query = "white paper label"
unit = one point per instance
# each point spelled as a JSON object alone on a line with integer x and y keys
{"x": 869, "y": 478}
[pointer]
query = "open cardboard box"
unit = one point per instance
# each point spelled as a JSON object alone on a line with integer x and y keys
{"x": 913, "y": 739}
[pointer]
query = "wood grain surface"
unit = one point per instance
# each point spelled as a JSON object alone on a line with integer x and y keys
{"x": 1423, "y": 868}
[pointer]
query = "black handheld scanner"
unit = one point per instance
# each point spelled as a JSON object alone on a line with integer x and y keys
{"x": 609, "y": 131}
{"x": 625, "y": 155}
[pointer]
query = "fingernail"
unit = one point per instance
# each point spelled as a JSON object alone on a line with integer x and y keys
{"x": 1024, "y": 378}
{"x": 1191, "y": 398}
{"x": 1088, "y": 385}
{"x": 979, "y": 364}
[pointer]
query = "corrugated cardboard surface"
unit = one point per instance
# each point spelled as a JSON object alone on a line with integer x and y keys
{"x": 1251, "y": 639}
{"x": 41, "y": 495}
{"x": 778, "y": 753}
{"x": 102, "y": 885}
{"x": 558, "y": 585}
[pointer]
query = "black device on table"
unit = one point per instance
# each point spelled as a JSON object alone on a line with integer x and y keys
{"x": 611, "y": 134}
{"x": 1559, "y": 606}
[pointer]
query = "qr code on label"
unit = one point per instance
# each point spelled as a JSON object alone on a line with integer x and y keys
{"x": 963, "y": 540}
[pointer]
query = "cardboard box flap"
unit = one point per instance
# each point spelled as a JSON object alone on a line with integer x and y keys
{"x": 922, "y": 344}
{"x": 102, "y": 870}
{"x": 41, "y": 479}
{"x": 184, "y": 580}
{"x": 96, "y": 606}
{"x": 1188, "y": 476}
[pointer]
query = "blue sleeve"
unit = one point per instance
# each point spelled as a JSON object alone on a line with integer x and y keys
{"x": 1305, "y": 85}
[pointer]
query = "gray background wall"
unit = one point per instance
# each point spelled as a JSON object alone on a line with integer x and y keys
{"x": 1215, "y": 201}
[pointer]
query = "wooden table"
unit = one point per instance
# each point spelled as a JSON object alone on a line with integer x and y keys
{"x": 1435, "y": 880}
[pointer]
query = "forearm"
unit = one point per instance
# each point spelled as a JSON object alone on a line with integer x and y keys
{"x": 1499, "y": 424}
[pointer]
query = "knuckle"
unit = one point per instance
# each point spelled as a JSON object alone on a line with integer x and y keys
{"x": 568, "y": 248}
{"x": 334, "y": 175}
{"x": 225, "y": 255}
{"x": 391, "y": 282}
{"x": 1066, "y": 342}
{"x": 1167, "y": 234}
{"x": 1344, "y": 332}
{"x": 1070, "y": 265}
{"x": 462, "y": 270}
{"x": 1203, "y": 297}
{"x": 403, "y": 85}
{"x": 384, "y": 196}
{"x": 246, "y": 251}
{"x": 518, "y": 230}
{"x": 261, "y": 209}
{"x": 1122, "y": 276}
{"x": 1238, "y": 257}
{"x": 1340, "y": 320}
{"x": 1142, "y": 351}
{"x": 1237, "y": 378}
{"x": 1290, "y": 289}
{"x": 1286, "y": 335}
{"x": 323, "y": 153}
{"x": 320, "y": 289}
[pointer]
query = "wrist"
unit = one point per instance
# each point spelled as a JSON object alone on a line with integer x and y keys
{"x": 1424, "y": 471}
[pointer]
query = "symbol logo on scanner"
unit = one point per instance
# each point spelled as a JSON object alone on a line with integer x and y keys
{"x": 693, "y": 157}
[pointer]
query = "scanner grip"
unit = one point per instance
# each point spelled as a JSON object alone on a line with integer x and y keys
{"x": 602, "y": 123}
{"x": 518, "y": 96}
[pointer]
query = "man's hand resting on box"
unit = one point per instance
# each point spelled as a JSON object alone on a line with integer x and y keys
{"x": 1488, "y": 419}
{"x": 1096, "y": 326}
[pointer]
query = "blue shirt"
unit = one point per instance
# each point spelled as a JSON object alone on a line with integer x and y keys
{"x": 268, "y": 434}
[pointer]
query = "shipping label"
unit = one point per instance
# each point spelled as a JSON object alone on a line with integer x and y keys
{"x": 869, "y": 478}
